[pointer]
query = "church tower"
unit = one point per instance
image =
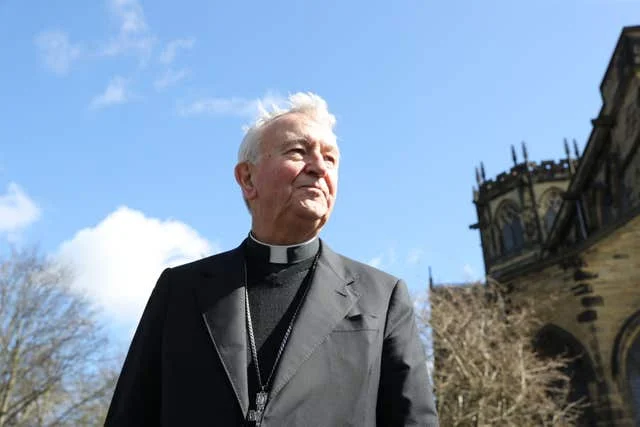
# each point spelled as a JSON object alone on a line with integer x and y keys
{"x": 572, "y": 228}
{"x": 516, "y": 210}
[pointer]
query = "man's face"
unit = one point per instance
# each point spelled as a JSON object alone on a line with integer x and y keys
{"x": 296, "y": 176}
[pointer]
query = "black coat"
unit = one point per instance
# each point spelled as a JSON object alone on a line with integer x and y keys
{"x": 354, "y": 357}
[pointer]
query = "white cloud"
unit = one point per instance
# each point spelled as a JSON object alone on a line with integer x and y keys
{"x": 56, "y": 51}
{"x": 17, "y": 210}
{"x": 134, "y": 34}
{"x": 386, "y": 259}
{"x": 169, "y": 53}
{"x": 115, "y": 93}
{"x": 375, "y": 262}
{"x": 118, "y": 261}
{"x": 229, "y": 106}
{"x": 170, "y": 78}
{"x": 130, "y": 15}
{"x": 414, "y": 256}
{"x": 121, "y": 45}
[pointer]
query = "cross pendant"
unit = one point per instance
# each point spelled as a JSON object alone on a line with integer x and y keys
{"x": 261, "y": 402}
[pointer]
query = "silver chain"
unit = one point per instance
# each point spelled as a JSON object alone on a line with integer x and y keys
{"x": 252, "y": 341}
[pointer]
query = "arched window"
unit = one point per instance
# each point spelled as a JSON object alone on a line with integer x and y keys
{"x": 550, "y": 204}
{"x": 626, "y": 364}
{"x": 632, "y": 370}
{"x": 552, "y": 341}
{"x": 511, "y": 229}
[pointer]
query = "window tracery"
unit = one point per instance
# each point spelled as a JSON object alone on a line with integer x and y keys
{"x": 510, "y": 227}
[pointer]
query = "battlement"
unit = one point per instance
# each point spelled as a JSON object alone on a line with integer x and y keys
{"x": 521, "y": 173}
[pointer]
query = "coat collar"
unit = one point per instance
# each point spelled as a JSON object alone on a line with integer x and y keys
{"x": 220, "y": 296}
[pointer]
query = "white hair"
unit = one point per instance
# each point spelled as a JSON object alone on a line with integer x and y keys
{"x": 309, "y": 104}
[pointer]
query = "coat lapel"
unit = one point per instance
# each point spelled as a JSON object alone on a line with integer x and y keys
{"x": 221, "y": 300}
{"x": 328, "y": 301}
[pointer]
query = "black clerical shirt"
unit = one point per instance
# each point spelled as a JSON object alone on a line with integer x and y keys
{"x": 275, "y": 291}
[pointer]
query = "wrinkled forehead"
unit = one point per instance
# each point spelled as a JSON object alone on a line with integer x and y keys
{"x": 294, "y": 126}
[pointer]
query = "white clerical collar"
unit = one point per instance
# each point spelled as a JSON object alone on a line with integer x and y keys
{"x": 285, "y": 254}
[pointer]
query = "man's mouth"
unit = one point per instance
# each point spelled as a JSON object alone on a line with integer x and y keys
{"x": 312, "y": 189}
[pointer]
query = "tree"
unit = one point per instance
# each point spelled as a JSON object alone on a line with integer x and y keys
{"x": 487, "y": 372}
{"x": 55, "y": 364}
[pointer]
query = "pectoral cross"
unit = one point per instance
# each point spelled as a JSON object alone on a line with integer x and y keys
{"x": 255, "y": 415}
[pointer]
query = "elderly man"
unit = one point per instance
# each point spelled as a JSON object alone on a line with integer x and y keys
{"x": 281, "y": 331}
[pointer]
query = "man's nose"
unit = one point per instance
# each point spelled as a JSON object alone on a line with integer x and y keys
{"x": 316, "y": 164}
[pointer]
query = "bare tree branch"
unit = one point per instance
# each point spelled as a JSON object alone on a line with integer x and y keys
{"x": 487, "y": 372}
{"x": 53, "y": 352}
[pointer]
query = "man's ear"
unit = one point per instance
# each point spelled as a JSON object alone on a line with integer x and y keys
{"x": 244, "y": 178}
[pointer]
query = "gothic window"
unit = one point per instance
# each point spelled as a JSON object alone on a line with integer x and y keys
{"x": 511, "y": 228}
{"x": 553, "y": 341}
{"x": 550, "y": 206}
{"x": 626, "y": 365}
{"x": 633, "y": 376}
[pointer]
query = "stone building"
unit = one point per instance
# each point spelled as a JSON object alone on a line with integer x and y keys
{"x": 573, "y": 227}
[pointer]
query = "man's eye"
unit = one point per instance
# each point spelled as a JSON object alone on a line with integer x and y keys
{"x": 297, "y": 151}
{"x": 331, "y": 158}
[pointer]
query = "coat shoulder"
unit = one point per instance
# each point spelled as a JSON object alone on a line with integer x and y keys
{"x": 367, "y": 272}
{"x": 207, "y": 264}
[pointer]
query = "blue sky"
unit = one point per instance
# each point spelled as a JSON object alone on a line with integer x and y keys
{"x": 120, "y": 121}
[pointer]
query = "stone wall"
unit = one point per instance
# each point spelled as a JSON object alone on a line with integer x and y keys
{"x": 597, "y": 291}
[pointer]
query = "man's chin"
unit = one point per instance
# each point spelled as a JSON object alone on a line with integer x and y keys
{"x": 313, "y": 213}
